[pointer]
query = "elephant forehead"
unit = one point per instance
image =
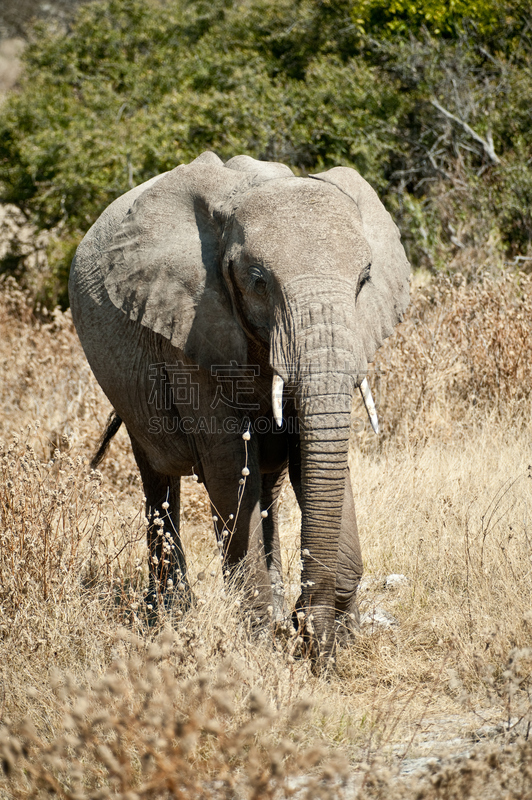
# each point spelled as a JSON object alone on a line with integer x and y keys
{"x": 292, "y": 218}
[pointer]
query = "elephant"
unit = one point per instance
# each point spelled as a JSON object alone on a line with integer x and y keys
{"x": 229, "y": 311}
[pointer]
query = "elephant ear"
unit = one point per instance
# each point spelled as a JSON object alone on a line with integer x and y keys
{"x": 162, "y": 266}
{"x": 384, "y": 298}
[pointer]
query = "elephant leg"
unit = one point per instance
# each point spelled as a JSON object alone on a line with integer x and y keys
{"x": 236, "y": 505}
{"x": 349, "y": 569}
{"x": 167, "y": 566}
{"x": 272, "y": 484}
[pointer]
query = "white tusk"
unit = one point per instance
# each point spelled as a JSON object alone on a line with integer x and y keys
{"x": 277, "y": 399}
{"x": 365, "y": 391}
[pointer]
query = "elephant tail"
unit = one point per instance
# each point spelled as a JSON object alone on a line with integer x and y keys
{"x": 113, "y": 424}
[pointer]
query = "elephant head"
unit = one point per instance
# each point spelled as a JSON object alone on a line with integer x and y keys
{"x": 245, "y": 260}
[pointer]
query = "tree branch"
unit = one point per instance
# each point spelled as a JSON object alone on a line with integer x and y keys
{"x": 487, "y": 144}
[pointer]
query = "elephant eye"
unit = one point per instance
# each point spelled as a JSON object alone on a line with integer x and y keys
{"x": 260, "y": 286}
{"x": 259, "y": 283}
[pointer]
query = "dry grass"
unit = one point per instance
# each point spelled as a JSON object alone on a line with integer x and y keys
{"x": 93, "y": 704}
{"x": 461, "y": 357}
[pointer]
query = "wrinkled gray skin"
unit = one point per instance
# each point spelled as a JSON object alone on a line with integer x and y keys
{"x": 212, "y": 264}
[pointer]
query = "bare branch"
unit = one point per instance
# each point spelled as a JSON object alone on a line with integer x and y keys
{"x": 487, "y": 144}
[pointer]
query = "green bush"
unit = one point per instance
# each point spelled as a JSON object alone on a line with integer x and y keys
{"x": 134, "y": 87}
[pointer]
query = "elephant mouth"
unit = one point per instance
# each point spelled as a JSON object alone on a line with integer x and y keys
{"x": 364, "y": 388}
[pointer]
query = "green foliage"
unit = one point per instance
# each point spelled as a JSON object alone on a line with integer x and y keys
{"x": 135, "y": 87}
{"x": 437, "y": 16}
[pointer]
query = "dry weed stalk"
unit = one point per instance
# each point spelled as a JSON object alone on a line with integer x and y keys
{"x": 464, "y": 350}
{"x": 443, "y": 497}
{"x": 53, "y": 541}
{"x": 143, "y": 731}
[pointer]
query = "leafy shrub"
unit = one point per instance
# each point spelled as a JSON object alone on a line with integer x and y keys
{"x": 133, "y": 88}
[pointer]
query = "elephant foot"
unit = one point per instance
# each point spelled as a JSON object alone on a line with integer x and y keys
{"x": 151, "y": 606}
{"x": 347, "y": 626}
{"x": 316, "y": 638}
{"x": 279, "y": 611}
{"x": 281, "y": 631}
{"x": 346, "y": 621}
{"x": 180, "y": 600}
{"x": 258, "y": 621}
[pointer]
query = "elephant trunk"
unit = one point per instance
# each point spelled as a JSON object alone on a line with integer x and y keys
{"x": 324, "y": 438}
{"x": 321, "y": 370}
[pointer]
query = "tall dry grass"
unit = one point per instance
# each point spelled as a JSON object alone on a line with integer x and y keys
{"x": 95, "y": 704}
{"x": 460, "y": 358}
